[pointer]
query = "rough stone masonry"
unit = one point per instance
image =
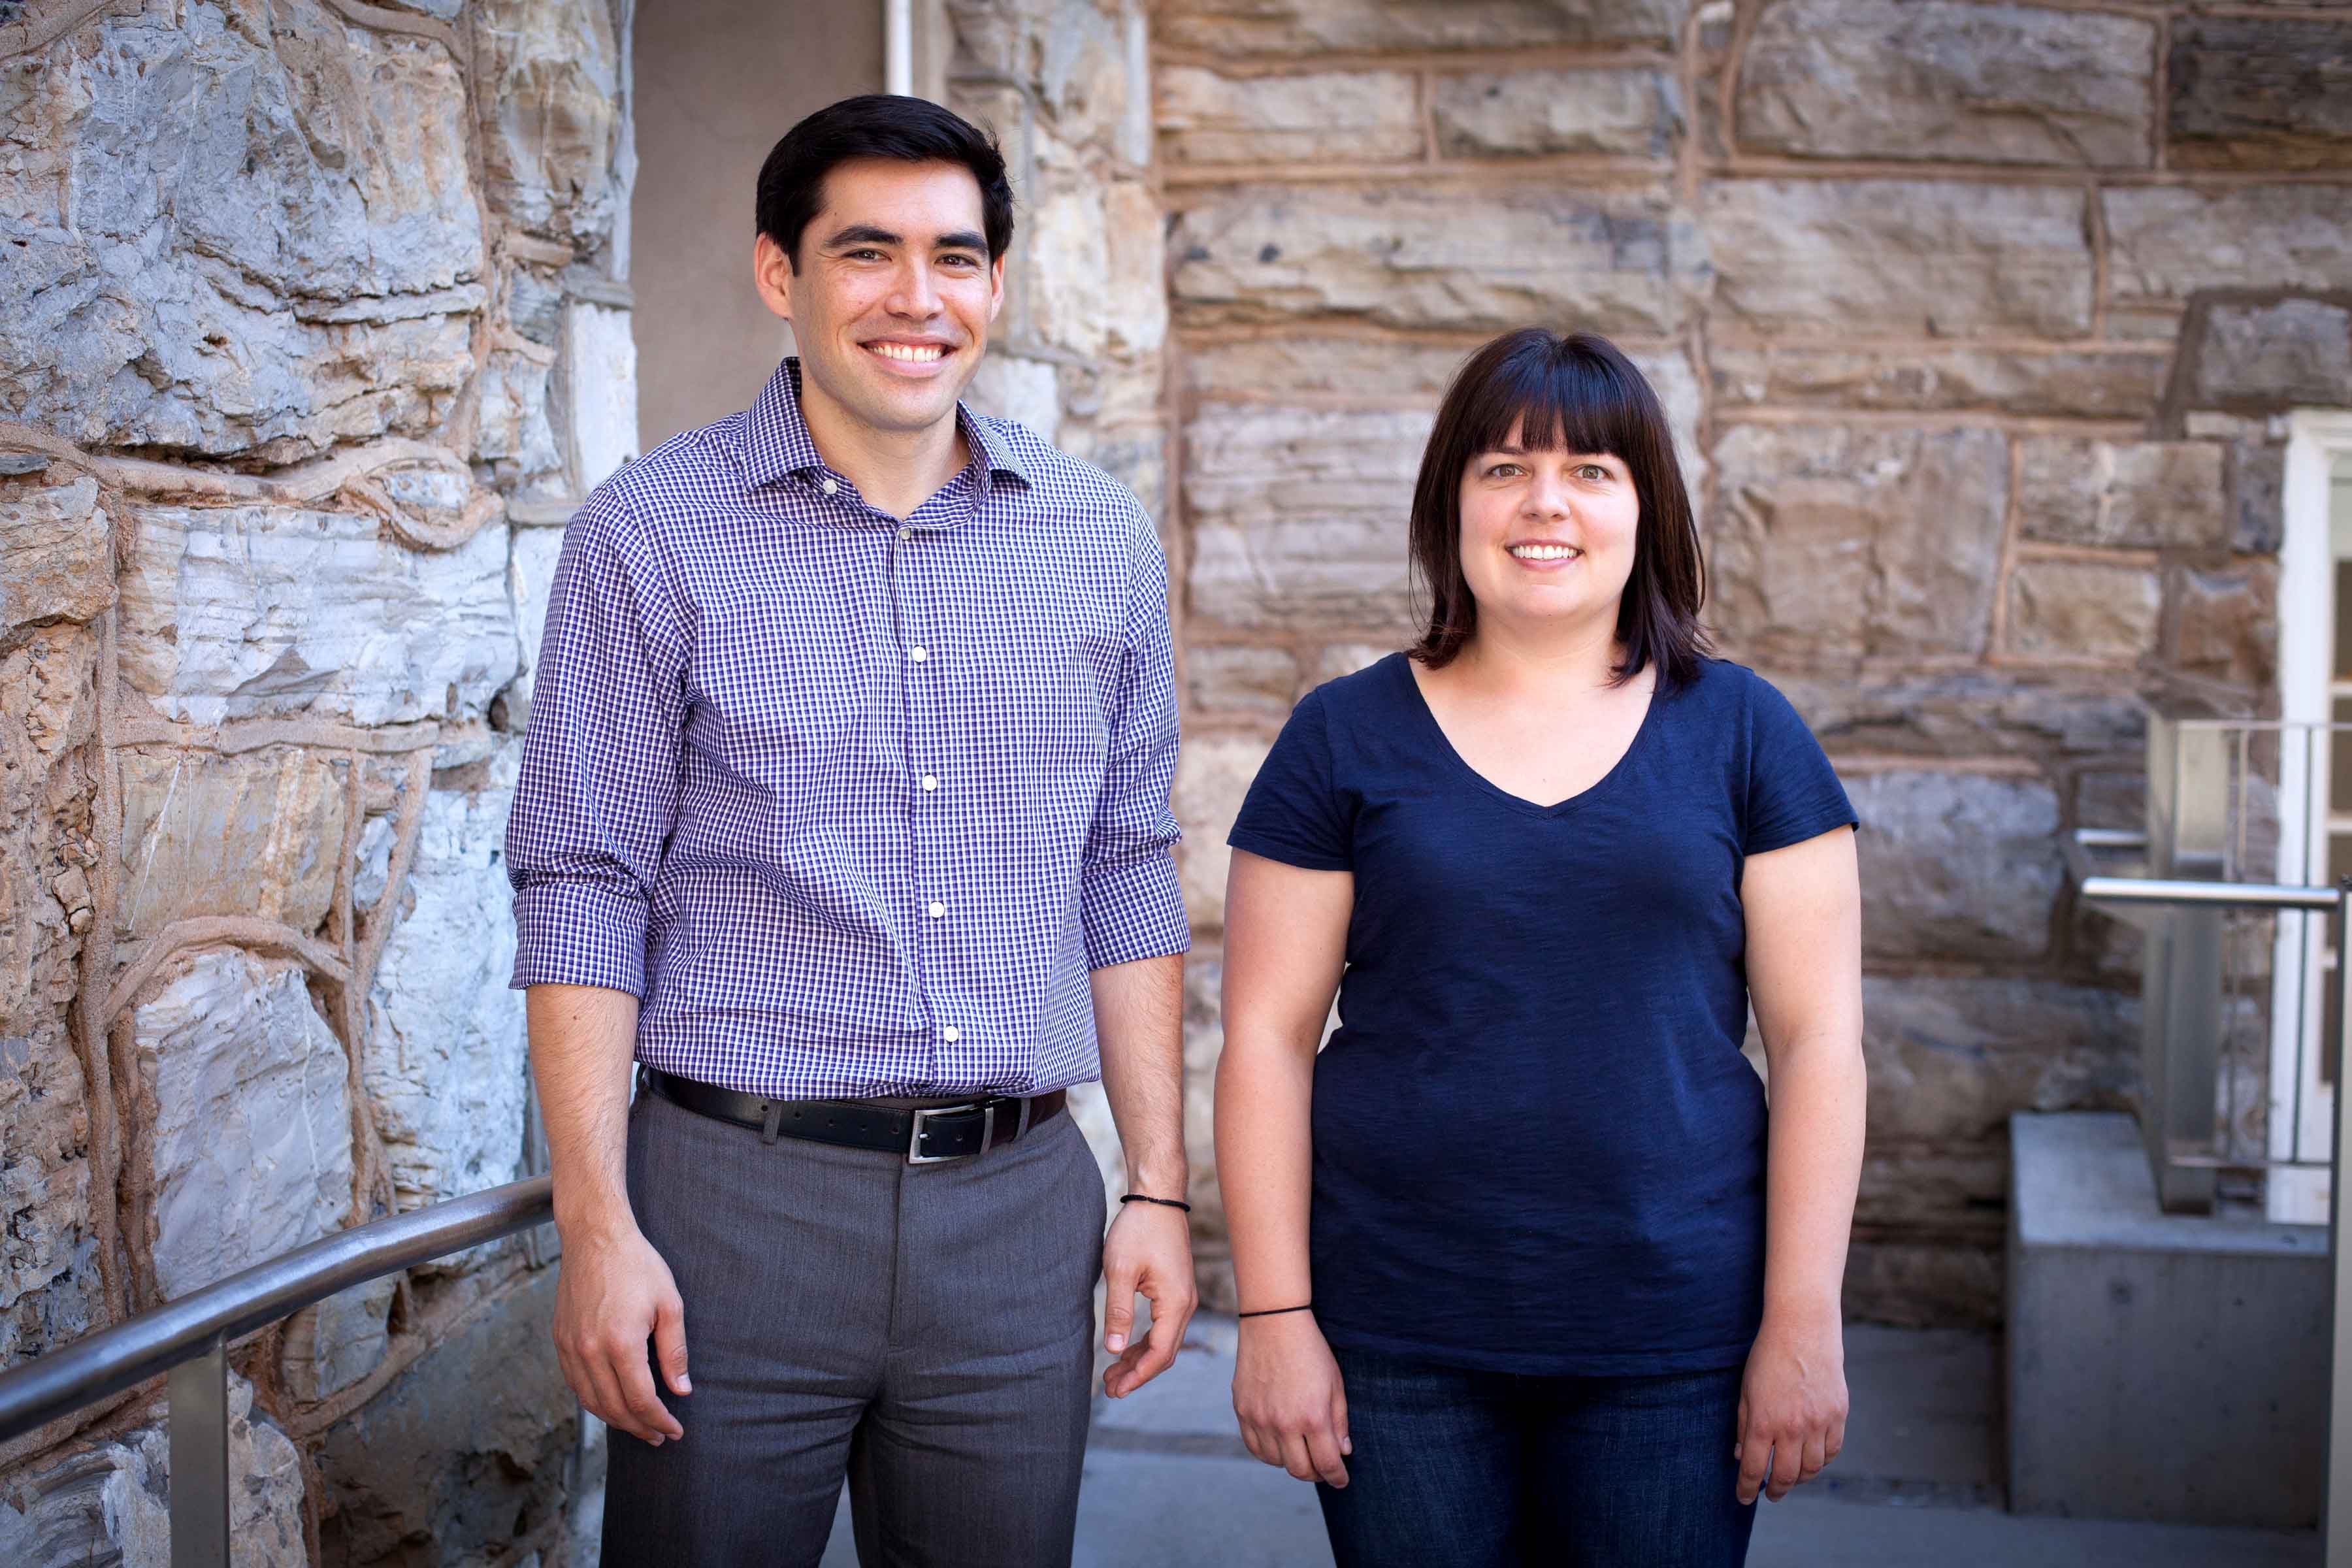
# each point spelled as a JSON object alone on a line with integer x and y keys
{"x": 1974, "y": 318}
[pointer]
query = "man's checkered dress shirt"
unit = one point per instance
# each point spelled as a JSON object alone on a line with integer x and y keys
{"x": 853, "y": 804}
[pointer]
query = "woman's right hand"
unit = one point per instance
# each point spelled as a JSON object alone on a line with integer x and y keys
{"x": 1286, "y": 1392}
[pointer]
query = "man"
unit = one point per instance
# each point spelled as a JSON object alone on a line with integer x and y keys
{"x": 844, "y": 812}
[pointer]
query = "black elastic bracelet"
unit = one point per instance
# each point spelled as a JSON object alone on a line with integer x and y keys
{"x": 1164, "y": 1203}
{"x": 1277, "y": 1312}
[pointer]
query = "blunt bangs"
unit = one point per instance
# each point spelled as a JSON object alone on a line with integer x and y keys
{"x": 1573, "y": 393}
{"x": 1559, "y": 395}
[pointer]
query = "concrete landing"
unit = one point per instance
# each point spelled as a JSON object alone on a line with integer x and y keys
{"x": 2161, "y": 1366}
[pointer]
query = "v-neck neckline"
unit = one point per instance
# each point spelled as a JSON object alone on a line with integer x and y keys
{"x": 1558, "y": 808}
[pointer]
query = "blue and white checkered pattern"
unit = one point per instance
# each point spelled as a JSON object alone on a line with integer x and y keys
{"x": 854, "y": 806}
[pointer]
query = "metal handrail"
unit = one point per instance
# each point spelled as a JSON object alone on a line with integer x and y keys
{"x": 189, "y": 1339}
{"x": 2335, "y": 1507}
{"x": 2228, "y": 895}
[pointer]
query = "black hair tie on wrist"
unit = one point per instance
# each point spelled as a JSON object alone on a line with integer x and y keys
{"x": 1277, "y": 1312}
{"x": 1164, "y": 1203}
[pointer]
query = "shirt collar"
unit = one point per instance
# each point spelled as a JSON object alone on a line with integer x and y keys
{"x": 777, "y": 440}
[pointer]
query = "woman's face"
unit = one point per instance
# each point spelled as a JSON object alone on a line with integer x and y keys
{"x": 1547, "y": 537}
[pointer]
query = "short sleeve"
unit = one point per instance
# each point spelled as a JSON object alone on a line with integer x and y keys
{"x": 1794, "y": 793}
{"x": 1293, "y": 813}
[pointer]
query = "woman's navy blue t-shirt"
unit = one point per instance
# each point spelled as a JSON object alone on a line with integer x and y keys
{"x": 1538, "y": 1147}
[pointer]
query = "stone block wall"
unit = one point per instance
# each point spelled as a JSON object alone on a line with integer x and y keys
{"x": 313, "y": 326}
{"x": 1973, "y": 320}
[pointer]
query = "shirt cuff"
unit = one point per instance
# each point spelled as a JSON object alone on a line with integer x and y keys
{"x": 579, "y": 933}
{"x": 1132, "y": 909}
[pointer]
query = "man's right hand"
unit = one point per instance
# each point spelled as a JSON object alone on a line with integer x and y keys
{"x": 1288, "y": 1393}
{"x": 615, "y": 1293}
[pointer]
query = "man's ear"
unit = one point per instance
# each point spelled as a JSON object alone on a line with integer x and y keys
{"x": 772, "y": 274}
{"x": 996, "y": 288}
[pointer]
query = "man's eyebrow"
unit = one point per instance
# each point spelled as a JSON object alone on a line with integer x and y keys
{"x": 962, "y": 240}
{"x": 864, "y": 233}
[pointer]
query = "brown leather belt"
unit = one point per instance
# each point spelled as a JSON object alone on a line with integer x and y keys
{"x": 925, "y": 1135}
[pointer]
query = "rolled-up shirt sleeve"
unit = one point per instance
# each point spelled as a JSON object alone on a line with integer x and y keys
{"x": 597, "y": 793}
{"x": 1129, "y": 900}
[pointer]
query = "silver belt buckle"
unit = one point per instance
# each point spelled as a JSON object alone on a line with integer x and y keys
{"x": 915, "y": 1155}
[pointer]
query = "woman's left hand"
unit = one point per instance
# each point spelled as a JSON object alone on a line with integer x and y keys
{"x": 1792, "y": 1404}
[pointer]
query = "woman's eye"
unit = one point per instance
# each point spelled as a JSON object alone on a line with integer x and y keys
{"x": 1502, "y": 471}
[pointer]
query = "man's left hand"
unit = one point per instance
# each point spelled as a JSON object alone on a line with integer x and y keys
{"x": 1148, "y": 1252}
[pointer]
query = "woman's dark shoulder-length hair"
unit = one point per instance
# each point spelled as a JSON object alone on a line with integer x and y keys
{"x": 1573, "y": 391}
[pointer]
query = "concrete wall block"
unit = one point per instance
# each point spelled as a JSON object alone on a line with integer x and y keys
{"x": 1026, "y": 390}
{"x": 1213, "y": 775}
{"x": 284, "y": 253}
{"x": 1294, "y": 27}
{"x": 1832, "y": 543}
{"x": 111, "y": 1502}
{"x": 2144, "y": 495}
{"x": 251, "y": 834}
{"x": 1970, "y": 713}
{"x": 1911, "y": 257}
{"x": 465, "y": 1452}
{"x": 1620, "y": 262}
{"x": 1948, "y": 82}
{"x": 1295, "y": 516}
{"x": 2260, "y": 92}
{"x": 252, "y": 1136}
{"x": 1620, "y": 113}
{"x": 1957, "y": 866}
{"x": 56, "y": 561}
{"x": 1094, "y": 269}
{"x": 1952, "y": 1058}
{"x": 1939, "y": 1284}
{"x": 514, "y": 434}
{"x": 2275, "y": 357}
{"x": 600, "y": 367}
{"x": 1345, "y": 116}
{"x": 549, "y": 86}
{"x": 2064, "y": 383}
{"x": 531, "y": 573}
{"x": 2225, "y": 623}
{"x": 48, "y": 1265}
{"x": 1237, "y": 681}
{"x": 2166, "y": 243}
{"x": 446, "y": 1063}
{"x": 329, "y": 1347}
{"x": 246, "y": 611}
{"x": 2083, "y": 610}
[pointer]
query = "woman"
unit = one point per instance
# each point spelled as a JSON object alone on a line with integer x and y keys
{"x": 1525, "y": 1274}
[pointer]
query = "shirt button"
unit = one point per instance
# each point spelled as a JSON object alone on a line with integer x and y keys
{"x": 918, "y": 655}
{"x": 906, "y": 534}
{"x": 831, "y": 485}
{"x": 951, "y": 1033}
{"x": 938, "y": 909}
{"x": 930, "y": 783}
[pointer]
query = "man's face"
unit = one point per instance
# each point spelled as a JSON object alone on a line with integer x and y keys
{"x": 893, "y": 296}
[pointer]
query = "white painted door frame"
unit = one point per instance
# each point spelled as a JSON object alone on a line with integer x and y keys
{"x": 2302, "y": 1107}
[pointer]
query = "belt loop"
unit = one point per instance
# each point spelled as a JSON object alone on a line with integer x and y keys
{"x": 772, "y": 1116}
{"x": 1022, "y": 1130}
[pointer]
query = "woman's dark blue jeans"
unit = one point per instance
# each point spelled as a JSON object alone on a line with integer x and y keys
{"x": 1455, "y": 1469}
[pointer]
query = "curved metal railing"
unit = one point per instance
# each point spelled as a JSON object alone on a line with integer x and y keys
{"x": 189, "y": 1339}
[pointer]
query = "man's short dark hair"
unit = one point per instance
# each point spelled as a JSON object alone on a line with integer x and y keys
{"x": 876, "y": 125}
